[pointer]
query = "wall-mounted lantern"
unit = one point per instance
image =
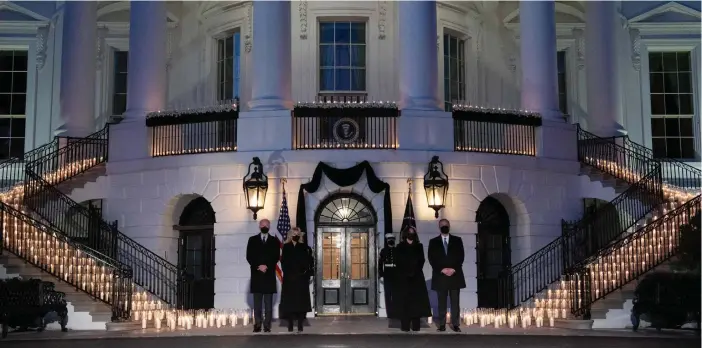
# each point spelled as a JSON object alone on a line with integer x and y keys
{"x": 255, "y": 187}
{"x": 436, "y": 185}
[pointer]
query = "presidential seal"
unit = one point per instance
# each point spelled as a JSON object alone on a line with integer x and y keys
{"x": 346, "y": 131}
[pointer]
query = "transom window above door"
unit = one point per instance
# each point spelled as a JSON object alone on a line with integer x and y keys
{"x": 342, "y": 56}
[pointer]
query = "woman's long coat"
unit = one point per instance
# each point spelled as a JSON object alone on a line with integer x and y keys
{"x": 297, "y": 262}
{"x": 411, "y": 298}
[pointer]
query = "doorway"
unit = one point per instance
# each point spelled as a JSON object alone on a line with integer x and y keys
{"x": 493, "y": 253}
{"x": 346, "y": 256}
{"x": 196, "y": 251}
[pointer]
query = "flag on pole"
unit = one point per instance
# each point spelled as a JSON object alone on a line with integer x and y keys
{"x": 283, "y": 230}
{"x": 408, "y": 219}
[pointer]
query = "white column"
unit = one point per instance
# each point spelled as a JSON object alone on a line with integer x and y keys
{"x": 78, "y": 68}
{"x": 537, "y": 26}
{"x": 146, "y": 79}
{"x": 419, "y": 65}
{"x": 605, "y": 117}
{"x": 272, "y": 74}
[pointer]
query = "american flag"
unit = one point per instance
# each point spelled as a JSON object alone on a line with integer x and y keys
{"x": 283, "y": 230}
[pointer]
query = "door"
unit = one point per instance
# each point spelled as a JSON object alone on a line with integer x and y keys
{"x": 197, "y": 257}
{"x": 346, "y": 277}
{"x": 493, "y": 255}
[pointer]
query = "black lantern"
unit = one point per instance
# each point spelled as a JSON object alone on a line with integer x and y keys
{"x": 436, "y": 185}
{"x": 255, "y": 187}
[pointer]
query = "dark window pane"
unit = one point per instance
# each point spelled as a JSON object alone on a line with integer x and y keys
{"x": 220, "y": 49}
{"x": 342, "y": 32}
{"x": 672, "y": 106}
{"x": 358, "y": 56}
{"x": 326, "y": 55}
{"x": 670, "y": 62}
{"x": 326, "y": 33}
{"x": 121, "y": 61}
{"x": 4, "y": 148}
{"x": 5, "y": 82}
{"x": 17, "y": 128}
{"x": 447, "y": 90}
{"x": 358, "y": 33}
{"x": 326, "y": 79}
{"x": 19, "y": 82}
{"x": 342, "y": 80}
{"x": 684, "y": 61}
{"x": 20, "y": 61}
{"x": 673, "y": 147}
{"x": 454, "y": 91}
{"x": 229, "y": 47}
{"x": 561, "y": 83}
{"x": 672, "y": 127}
{"x": 655, "y": 61}
{"x": 658, "y": 127}
{"x": 658, "y": 147}
{"x": 6, "y": 60}
{"x": 5, "y": 101}
{"x": 447, "y": 66}
{"x": 446, "y": 44}
{"x": 688, "y": 148}
{"x": 17, "y": 147}
{"x": 461, "y": 50}
{"x": 120, "y": 83}
{"x": 454, "y": 69}
{"x": 684, "y": 83}
{"x": 119, "y": 104}
{"x": 229, "y": 69}
{"x": 358, "y": 79}
{"x": 656, "y": 83}
{"x": 686, "y": 127}
{"x": 5, "y": 127}
{"x": 448, "y": 107}
{"x": 657, "y": 104}
{"x": 343, "y": 55}
{"x": 686, "y": 107}
{"x": 671, "y": 82}
{"x": 19, "y": 104}
{"x": 560, "y": 59}
{"x": 453, "y": 47}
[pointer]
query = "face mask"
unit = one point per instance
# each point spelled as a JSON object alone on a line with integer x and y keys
{"x": 391, "y": 243}
{"x": 296, "y": 239}
{"x": 412, "y": 236}
{"x": 444, "y": 229}
{"x": 264, "y": 230}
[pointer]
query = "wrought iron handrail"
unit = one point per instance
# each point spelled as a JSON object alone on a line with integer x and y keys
{"x": 12, "y": 170}
{"x": 58, "y": 255}
{"x": 150, "y": 271}
{"x": 628, "y": 258}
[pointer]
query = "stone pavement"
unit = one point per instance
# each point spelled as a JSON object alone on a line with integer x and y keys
{"x": 349, "y": 329}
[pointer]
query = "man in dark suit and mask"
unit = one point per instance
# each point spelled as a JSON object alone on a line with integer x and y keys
{"x": 263, "y": 253}
{"x": 386, "y": 270}
{"x": 446, "y": 256}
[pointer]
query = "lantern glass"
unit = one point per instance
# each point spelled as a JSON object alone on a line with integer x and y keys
{"x": 255, "y": 187}
{"x": 436, "y": 185}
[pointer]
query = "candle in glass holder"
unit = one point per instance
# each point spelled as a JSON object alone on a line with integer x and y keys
{"x": 550, "y": 321}
{"x": 246, "y": 318}
{"x": 143, "y": 322}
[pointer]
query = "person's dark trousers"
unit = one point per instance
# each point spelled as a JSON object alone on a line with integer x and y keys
{"x": 263, "y": 310}
{"x": 455, "y": 314}
{"x": 387, "y": 291}
{"x": 407, "y": 323}
{"x": 300, "y": 318}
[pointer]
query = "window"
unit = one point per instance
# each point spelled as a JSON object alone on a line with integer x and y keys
{"x": 228, "y": 67}
{"x": 342, "y": 57}
{"x": 13, "y": 100}
{"x": 671, "y": 104}
{"x": 562, "y": 86}
{"x": 119, "y": 90}
{"x": 454, "y": 70}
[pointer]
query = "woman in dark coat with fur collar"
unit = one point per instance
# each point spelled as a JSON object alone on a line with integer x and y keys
{"x": 411, "y": 298}
{"x": 297, "y": 262}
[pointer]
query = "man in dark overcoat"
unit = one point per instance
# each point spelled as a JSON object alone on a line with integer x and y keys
{"x": 446, "y": 256}
{"x": 262, "y": 254}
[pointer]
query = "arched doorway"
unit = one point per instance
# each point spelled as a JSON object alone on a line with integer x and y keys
{"x": 196, "y": 250}
{"x": 346, "y": 252}
{"x": 493, "y": 252}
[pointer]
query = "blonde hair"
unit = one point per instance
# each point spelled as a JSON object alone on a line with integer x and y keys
{"x": 290, "y": 235}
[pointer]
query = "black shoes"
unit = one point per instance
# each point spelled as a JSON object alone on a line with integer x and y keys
{"x": 257, "y": 328}
{"x": 455, "y": 328}
{"x": 441, "y": 328}
{"x": 266, "y": 329}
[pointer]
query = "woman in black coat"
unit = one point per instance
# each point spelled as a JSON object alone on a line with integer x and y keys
{"x": 411, "y": 298}
{"x": 297, "y": 263}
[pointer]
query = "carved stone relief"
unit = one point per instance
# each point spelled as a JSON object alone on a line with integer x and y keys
{"x": 169, "y": 46}
{"x": 579, "y": 36}
{"x": 248, "y": 36}
{"x": 302, "y": 9}
{"x": 635, "y": 36}
{"x": 382, "y": 14}
{"x": 101, "y": 47}
{"x": 42, "y": 37}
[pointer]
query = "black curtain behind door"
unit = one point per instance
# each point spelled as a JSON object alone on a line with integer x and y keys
{"x": 344, "y": 177}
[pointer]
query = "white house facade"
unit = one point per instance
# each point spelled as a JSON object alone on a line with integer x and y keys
{"x": 539, "y": 113}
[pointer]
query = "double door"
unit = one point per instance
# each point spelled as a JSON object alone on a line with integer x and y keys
{"x": 346, "y": 272}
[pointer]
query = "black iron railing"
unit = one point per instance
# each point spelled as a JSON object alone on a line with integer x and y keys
{"x": 45, "y": 247}
{"x": 628, "y": 258}
{"x": 12, "y": 170}
{"x": 213, "y": 134}
{"x": 346, "y": 122}
{"x": 489, "y": 131}
{"x": 85, "y": 225}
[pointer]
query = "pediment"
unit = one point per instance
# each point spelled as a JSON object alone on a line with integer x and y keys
{"x": 671, "y": 12}
{"x": 9, "y": 11}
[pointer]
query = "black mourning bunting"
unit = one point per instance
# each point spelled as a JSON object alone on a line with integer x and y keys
{"x": 343, "y": 178}
{"x": 496, "y": 115}
{"x": 198, "y": 115}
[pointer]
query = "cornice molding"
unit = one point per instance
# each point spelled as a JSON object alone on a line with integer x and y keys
{"x": 21, "y": 27}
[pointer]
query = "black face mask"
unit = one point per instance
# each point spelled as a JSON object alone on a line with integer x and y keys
{"x": 444, "y": 229}
{"x": 296, "y": 239}
{"x": 391, "y": 243}
{"x": 412, "y": 237}
{"x": 264, "y": 230}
